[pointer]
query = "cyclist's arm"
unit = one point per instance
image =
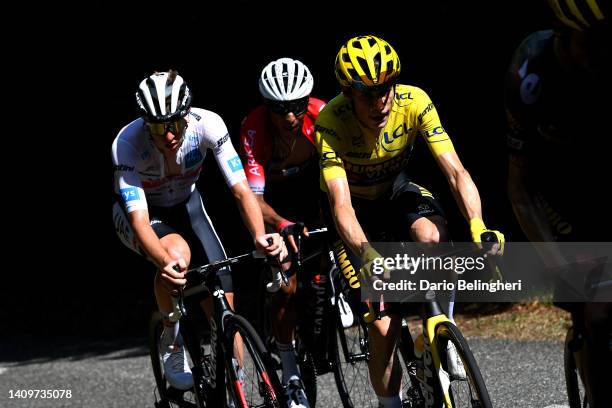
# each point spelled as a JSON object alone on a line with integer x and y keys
{"x": 271, "y": 217}
{"x": 255, "y": 148}
{"x": 150, "y": 243}
{"x": 346, "y": 221}
{"x": 529, "y": 214}
{"x": 249, "y": 208}
{"x": 461, "y": 184}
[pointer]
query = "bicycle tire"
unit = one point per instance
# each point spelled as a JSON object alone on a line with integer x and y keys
{"x": 576, "y": 394}
{"x": 477, "y": 395}
{"x": 352, "y": 378}
{"x": 266, "y": 391}
{"x": 304, "y": 357}
{"x": 308, "y": 373}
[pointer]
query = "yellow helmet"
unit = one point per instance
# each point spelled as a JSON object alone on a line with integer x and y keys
{"x": 366, "y": 61}
{"x": 580, "y": 14}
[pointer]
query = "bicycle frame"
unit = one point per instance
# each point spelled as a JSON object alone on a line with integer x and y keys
{"x": 212, "y": 378}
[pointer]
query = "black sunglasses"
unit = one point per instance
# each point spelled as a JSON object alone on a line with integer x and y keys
{"x": 298, "y": 106}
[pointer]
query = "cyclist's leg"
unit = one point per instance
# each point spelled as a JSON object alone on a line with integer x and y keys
{"x": 172, "y": 351}
{"x": 207, "y": 248}
{"x": 170, "y": 239}
{"x": 384, "y": 369}
{"x": 418, "y": 209}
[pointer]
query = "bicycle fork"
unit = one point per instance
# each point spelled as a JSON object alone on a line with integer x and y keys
{"x": 435, "y": 381}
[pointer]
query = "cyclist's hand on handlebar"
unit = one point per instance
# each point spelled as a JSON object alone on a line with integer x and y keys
{"x": 373, "y": 266}
{"x": 173, "y": 275}
{"x": 291, "y": 230}
{"x": 480, "y": 234}
{"x": 275, "y": 248}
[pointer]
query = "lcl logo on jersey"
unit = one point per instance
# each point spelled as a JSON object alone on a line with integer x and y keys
{"x": 398, "y": 132}
{"x": 435, "y": 131}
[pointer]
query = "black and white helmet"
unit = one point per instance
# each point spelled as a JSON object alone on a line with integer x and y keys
{"x": 163, "y": 97}
{"x": 285, "y": 79}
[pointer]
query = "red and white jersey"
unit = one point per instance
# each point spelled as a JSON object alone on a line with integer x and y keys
{"x": 256, "y": 143}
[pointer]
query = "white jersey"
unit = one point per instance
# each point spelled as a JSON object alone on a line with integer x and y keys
{"x": 140, "y": 170}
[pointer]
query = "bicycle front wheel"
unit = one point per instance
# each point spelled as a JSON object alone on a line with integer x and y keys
{"x": 349, "y": 355}
{"x": 254, "y": 381}
{"x": 464, "y": 391}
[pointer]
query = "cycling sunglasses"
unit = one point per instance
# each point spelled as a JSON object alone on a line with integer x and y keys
{"x": 161, "y": 129}
{"x": 297, "y": 106}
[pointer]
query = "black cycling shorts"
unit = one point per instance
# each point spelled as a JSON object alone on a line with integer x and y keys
{"x": 190, "y": 221}
{"x": 385, "y": 219}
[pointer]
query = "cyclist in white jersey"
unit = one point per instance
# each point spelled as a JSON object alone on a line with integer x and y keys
{"x": 159, "y": 212}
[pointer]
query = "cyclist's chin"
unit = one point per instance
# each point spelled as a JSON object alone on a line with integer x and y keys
{"x": 378, "y": 122}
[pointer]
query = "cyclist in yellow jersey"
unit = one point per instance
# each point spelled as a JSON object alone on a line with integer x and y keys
{"x": 364, "y": 137}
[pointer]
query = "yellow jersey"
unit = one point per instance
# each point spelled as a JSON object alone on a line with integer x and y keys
{"x": 370, "y": 160}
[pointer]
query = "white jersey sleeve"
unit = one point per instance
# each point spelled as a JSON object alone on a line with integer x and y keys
{"x": 127, "y": 181}
{"x": 216, "y": 138}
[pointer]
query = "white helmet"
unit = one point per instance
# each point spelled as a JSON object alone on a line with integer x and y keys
{"x": 285, "y": 79}
{"x": 163, "y": 97}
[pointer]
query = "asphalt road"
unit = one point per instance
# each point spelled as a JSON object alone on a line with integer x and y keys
{"x": 118, "y": 374}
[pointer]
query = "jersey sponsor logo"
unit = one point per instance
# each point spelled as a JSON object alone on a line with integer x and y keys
{"x": 398, "y": 132}
{"x": 247, "y": 147}
{"x": 359, "y": 155}
{"x": 129, "y": 194}
{"x": 328, "y": 131}
{"x": 235, "y": 164}
{"x": 438, "y": 130}
{"x": 370, "y": 174}
{"x": 425, "y": 112}
{"x": 404, "y": 96}
{"x": 189, "y": 176}
{"x": 193, "y": 157}
{"x": 530, "y": 85}
{"x": 123, "y": 167}
{"x": 195, "y": 115}
{"x": 424, "y": 209}
{"x": 222, "y": 140}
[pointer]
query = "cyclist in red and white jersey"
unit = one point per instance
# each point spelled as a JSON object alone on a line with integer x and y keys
{"x": 281, "y": 165}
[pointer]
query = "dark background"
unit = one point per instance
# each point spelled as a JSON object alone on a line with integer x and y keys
{"x": 456, "y": 51}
